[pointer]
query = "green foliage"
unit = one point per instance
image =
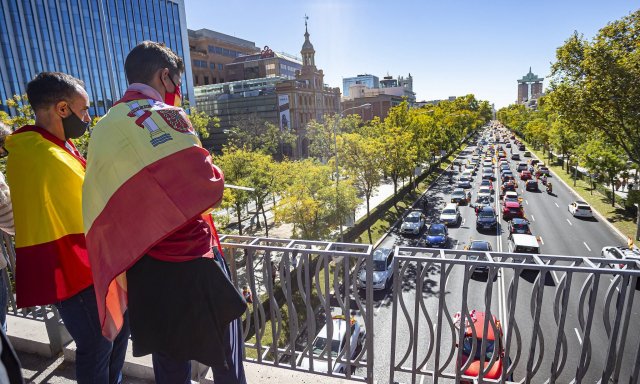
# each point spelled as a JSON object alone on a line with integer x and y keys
{"x": 22, "y": 113}
{"x": 595, "y": 84}
{"x": 310, "y": 200}
{"x": 256, "y": 134}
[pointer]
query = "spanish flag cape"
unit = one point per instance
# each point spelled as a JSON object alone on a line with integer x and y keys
{"x": 45, "y": 177}
{"x": 147, "y": 175}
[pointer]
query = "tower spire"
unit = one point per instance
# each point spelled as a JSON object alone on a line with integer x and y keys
{"x": 307, "y": 51}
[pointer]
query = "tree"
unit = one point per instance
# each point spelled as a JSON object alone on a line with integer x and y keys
{"x": 236, "y": 164}
{"x": 23, "y": 113}
{"x": 362, "y": 159}
{"x": 564, "y": 139}
{"x": 400, "y": 152}
{"x": 256, "y": 134}
{"x": 321, "y": 135}
{"x": 595, "y": 84}
{"x": 263, "y": 178}
{"x": 310, "y": 200}
{"x": 605, "y": 160}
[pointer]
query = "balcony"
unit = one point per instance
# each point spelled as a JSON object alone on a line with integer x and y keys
{"x": 530, "y": 318}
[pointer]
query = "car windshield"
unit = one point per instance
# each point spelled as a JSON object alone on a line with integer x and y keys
{"x": 485, "y": 214}
{"x": 436, "y": 230}
{"x": 379, "y": 265}
{"x": 479, "y": 246}
{"x": 467, "y": 345}
{"x": 520, "y": 228}
{"x": 321, "y": 343}
{"x": 449, "y": 212}
{"x": 412, "y": 219}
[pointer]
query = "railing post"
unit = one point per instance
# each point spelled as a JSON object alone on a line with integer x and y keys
{"x": 369, "y": 315}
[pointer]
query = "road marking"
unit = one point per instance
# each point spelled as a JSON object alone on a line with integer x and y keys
{"x": 422, "y": 379}
{"x": 463, "y": 220}
{"x": 556, "y": 204}
{"x": 382, "y": 304}
{"x": 541, "y": 241}
{"x": 585, "y": 244}
{"x": 569, "y": 222}
{"x": 533, "y": 218}
{"x": 527, "y": 201}
{"x": 578, "y": 335}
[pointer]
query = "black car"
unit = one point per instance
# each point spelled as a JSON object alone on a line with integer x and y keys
{"x": 521, "y": 147}
{"x": 531, "y": 185}
{"x": 486, "y": 218}
{"x": 518, "y": 225}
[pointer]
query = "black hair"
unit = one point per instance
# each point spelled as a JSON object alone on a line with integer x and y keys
{"x": 146, "y": 58}
{"x": 48, "y": 88}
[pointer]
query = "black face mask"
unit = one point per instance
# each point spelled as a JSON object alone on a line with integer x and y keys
{"x": 73, "y": 126}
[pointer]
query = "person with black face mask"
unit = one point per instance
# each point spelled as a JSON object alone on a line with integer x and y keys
{"x": 45, "y": 173}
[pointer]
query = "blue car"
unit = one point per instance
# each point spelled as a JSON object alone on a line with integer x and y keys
{"x": 437, "y": 236}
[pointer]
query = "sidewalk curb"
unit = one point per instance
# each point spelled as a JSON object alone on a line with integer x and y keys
{"x": 575, "y": 193}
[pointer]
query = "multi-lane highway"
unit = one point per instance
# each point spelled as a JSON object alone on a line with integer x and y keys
{"x": 559, "y": 233}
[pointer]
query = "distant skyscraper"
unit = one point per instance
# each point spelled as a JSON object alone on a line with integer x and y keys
{"x": 88, "y": 39}
{"x": 370, "y": 81}
{"x": 529, "y": 87}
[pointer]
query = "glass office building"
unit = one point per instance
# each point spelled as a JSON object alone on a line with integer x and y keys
{"x": 88, "y": 39}
{"x": 370, "y": 81}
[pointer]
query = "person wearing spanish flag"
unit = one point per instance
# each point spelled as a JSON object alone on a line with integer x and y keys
{"x": 45, "y": 172}
{"x": 152, "y": 245}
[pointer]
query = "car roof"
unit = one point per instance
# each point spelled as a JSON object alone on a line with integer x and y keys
{"x": 450, "y": 206}
{"x": 459, "y": 190}
{"x": 525, "y": 240}
{"x": 381, "y": 253}
{"x": 488, "y": 208}
{"x": 414, "y": 213}
{"x": 580, "y": 202}
{"x": 512, "y": 204}
{"x": 339, "y": 329}
{"x": 519, "y": 221}
{"x": 437, "y": 225}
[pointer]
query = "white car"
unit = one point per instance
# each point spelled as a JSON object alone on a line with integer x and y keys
{"x": 382, "y": 270}
{"x": 580, "y": 209}
{"x": 450, "y": 214}
{"x": 620, "y": 253}
{"x": 484, "y": 193}
{"x": 335, "y": 344}
{"x": 412, "y": 223}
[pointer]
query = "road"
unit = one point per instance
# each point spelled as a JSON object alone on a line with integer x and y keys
{"x": 560, "y": 233}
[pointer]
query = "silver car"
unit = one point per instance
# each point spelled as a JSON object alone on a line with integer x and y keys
{"x": 382, "y": 270}
{"x": 412, "y": 223}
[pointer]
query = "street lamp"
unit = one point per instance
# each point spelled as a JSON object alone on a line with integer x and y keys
{"x": 335, "y": 141}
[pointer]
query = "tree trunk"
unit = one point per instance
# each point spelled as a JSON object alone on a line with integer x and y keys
{"x": 266, "y": 225}
{"x": 613, "y": 192}
{"x": 395, "y": 185}
{"x": 239, "y": 217}
{"x": 368, "y": 196}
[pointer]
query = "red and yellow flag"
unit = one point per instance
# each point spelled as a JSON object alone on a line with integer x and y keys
{"x": 45, "y": 176}
{"x": 147, "y": 175}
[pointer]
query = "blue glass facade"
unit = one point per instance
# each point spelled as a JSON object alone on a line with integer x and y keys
{"x": 370, "y": 81}
{"x": 88, "y": 39}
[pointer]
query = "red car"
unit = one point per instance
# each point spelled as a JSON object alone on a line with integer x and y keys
{"x": 525, "y": 175}
{"x": 512, "y": 209}
{"x": 494, "y": 348}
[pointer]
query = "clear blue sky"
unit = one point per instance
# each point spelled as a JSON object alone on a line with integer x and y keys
{"x": 451, "y": 48}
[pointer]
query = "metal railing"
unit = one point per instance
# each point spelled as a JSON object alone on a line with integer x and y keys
{"x": 530, "y": 305}
{"x": 297, "y": 288}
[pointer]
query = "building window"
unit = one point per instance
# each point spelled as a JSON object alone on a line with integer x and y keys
{"x": 212, "y": 66}
{"x": 220, "y": 67}
{"x": 206, "y": 80}
{"x": 196, "y": 79}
